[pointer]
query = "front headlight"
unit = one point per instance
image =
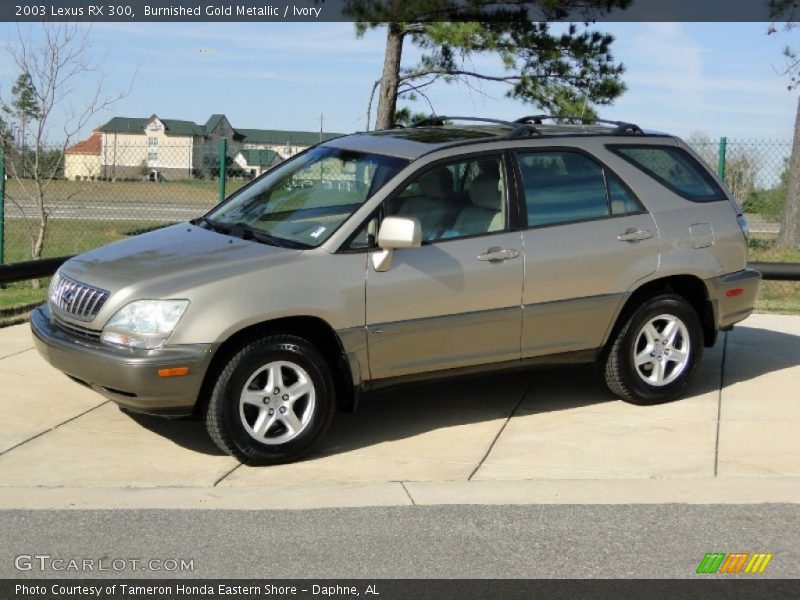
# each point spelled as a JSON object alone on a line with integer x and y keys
{"x": 51, "y": 293}
{"x": 144, "y": 323}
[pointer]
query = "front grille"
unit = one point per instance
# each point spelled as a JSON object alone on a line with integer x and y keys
{"x": 76, "y": 331}
{"x": 75, "y": 299}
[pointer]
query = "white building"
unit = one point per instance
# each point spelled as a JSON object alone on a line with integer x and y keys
{"x": 176, "y": 149}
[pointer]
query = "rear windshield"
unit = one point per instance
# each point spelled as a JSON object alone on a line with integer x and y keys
{"x": 675, "y": 168}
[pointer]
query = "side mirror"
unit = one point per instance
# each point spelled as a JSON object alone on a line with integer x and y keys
{"x": 396, "y": 232}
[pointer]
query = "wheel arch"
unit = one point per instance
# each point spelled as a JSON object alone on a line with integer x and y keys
{"x": 314, "y": 329}
{"x": 690, "y": 287}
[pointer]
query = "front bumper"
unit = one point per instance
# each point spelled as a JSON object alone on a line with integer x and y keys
{"x": 733, "y": 296}
{"x": 129, "y": 377}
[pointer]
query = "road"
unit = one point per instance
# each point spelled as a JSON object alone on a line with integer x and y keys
{"x": 119, "y": 210}
{"x": 539, "y": 541}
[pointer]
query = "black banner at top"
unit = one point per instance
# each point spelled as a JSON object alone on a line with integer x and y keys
{"x": 347, "y": 10}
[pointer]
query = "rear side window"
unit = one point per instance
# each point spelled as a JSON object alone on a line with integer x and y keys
{"x": 623, "y": 201}
{"x": 675, "y": 168}
{"x": 567, "y": 187}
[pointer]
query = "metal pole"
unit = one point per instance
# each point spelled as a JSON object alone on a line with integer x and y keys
{"x": 723, "y": 144}
{"x": 223, "y": 152}
{"x": 2, "y": 200}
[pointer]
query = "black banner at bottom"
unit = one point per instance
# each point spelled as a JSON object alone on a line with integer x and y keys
{"x": 391, "y": 589}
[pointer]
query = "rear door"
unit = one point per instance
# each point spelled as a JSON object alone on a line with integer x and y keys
{"x": 587, "y": 241}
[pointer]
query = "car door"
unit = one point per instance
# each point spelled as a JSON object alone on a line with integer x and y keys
{"x": 454, "y": 301}
{"x": 587, "y": 241}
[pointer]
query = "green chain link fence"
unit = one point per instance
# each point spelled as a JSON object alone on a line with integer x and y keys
{"x": 756, "y": 172}
{"x": 92, "y": 202}
{"x": 100, "y": 198}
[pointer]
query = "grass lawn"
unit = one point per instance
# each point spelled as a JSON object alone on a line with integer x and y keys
{"x": 21, "y": 293}
{"x": 192, "y": 191}
{"x": 73, "y": 237}
{"x": 776, "y": 296}
{"x": 65, "y": 237}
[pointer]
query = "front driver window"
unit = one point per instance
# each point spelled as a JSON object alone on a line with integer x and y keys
{"x": 461, "y": 199}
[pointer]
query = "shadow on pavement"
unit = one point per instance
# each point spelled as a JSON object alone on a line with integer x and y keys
{"x": 190, "y": 433}
{"x": 754, "y": 352}
{"x": 414, "y": 409}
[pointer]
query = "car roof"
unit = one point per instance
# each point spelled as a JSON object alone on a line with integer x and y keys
{"x": 419, "y": 140}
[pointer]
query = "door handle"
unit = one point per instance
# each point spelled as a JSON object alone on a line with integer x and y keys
{"x": 497, "y": 254}
{"x": 635, "y": 235}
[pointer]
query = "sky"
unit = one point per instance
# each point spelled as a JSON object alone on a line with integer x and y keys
{"x": 719, "y": 78}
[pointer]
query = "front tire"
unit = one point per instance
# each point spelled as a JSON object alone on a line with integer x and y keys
{"x": 656, "y": 352}
{"x": 272, "y": 402}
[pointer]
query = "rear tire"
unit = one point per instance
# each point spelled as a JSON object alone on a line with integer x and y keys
{"x": 656, "y": 352}
{"x": 272, "y": 402}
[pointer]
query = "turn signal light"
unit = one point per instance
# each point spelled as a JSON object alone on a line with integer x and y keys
{"x": 173, "y": 372}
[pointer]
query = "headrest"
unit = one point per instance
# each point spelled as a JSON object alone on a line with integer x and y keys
{"x": 484, "y": 192}
{"x": 489, "y": 167}
{"x": 437, "y": 183}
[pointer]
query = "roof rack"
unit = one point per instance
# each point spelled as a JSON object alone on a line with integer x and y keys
{"x": 518, "y": 128}
{"x": 620, "y": 127}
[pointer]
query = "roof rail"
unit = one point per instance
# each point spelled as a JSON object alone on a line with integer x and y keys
{"x": 438, "y": 121}
{"x": 518, "y": 128}
{"x": 620, "y": 127}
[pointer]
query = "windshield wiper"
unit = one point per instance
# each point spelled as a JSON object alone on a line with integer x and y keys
{"x": 261, "y": 236}
{"x": 213, "y": 225}
{"x": 244, "y": 231}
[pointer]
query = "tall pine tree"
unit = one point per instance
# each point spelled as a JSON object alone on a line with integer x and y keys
{"x": 561, "y": 73}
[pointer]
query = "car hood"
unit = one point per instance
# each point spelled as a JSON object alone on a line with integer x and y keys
{"x": 173, "y": 258}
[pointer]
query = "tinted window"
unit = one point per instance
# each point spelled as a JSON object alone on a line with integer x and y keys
{"x": 562, "y": 187}
{"x": 622, "y": 200}
{"x": 460, "y": 199}
{"x": 366, "y": 236}
{"x": 675, "y": 168}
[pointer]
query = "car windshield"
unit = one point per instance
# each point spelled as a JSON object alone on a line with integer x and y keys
{"x": 301, "y": 202}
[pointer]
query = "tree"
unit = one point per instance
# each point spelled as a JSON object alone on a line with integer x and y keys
{"x": 705, "y": 148}
{"x": 404, "y": 117}
{"x": 789, "y": 236}
{"x": 769, "y": 202}
{"x": 6, "y": 137}
{"x": 50, "y": 67}
{"x": 561, "y": 73}
{"x": 24, "y": 106}
{"x": 741, "y": 169}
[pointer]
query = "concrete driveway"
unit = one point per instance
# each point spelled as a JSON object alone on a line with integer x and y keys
{"x": 554, "y": 436}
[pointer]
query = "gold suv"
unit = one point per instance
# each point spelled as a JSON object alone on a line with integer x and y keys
{"x": 453, "y": 246}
